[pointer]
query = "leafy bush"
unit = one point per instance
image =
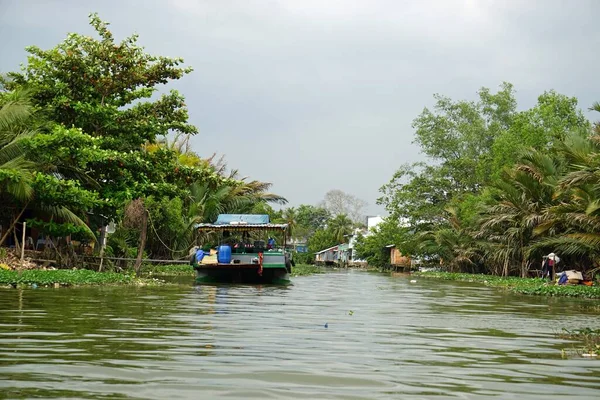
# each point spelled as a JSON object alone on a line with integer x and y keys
{"x": 303, "y": 258}
{"x": 305, "y": 269}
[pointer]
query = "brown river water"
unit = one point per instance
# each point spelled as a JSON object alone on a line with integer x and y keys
{"x": 340, "y": 335}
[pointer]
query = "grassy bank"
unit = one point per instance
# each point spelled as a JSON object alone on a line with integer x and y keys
{"x": 69, "y": 277}
{"x": 533, "y": 286}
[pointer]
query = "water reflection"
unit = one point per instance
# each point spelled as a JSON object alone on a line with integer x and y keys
{"x": 386, "y": 338}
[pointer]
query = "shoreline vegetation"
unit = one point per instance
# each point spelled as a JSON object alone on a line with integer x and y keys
{"x": 149, "y": 276}
{"x": 528, "y": 286}
{"x": 70, "y": 277}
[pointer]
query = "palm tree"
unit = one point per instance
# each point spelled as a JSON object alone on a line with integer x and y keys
{"x": 453, "y": 244}
{"x": 19, "y": 121}
{"x": 577, "y": 216}
{"x": 519, "y": 206}
{"x": 16, "y": 172}
{"x": 289, "y": 217}
{"x": 341, "y": 226}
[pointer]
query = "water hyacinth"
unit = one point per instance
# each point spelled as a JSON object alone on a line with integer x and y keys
{"x": 531, "y": 286}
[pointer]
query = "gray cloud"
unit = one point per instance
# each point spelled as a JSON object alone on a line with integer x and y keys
{"x": 314, "y": 95}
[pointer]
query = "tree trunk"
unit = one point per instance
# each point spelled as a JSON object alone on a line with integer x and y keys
{"x": 102, "y": 245}
{"x": 142, "y": 244}
{"x": 12, "y": 225}
{"x": 17, "y": 245}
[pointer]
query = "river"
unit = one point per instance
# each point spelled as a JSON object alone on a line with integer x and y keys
{"x": 340, "y": 335}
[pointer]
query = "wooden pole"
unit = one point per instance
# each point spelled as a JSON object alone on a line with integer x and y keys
{"x": 23, "y": 241}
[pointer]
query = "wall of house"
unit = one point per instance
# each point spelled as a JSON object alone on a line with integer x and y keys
{"x": 396, "y": 258}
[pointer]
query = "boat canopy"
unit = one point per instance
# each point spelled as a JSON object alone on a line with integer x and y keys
{"x": 232, "y": 219}
{"x": 242, "y": 222}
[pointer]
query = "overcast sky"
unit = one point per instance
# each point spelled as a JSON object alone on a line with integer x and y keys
{"x": 314, "y": 95}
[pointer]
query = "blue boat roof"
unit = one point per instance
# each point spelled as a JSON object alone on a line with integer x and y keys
{"x": 250, "y": 219}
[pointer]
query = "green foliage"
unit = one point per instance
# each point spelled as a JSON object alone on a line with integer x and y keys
{"x": 306, "y": 269}
{"x": 540, "y": 127}
{"x": 56, "y": 229}
{"x": 304, "y": 258}
{"x": 503, "y": 186}
{"x": 321, "y": 239}
{"x": 389, "y": 232}
{"x": 530, "y": 286}
{"x": 340, "y": 227}
{"x": 169, "y": 235}
{"x": 103, "y": 89}
{"x": 311, "y": 218}
{"x": 83, "y": 132}
{"x": 63, "y": 277}
{"x": 122, "y": 243}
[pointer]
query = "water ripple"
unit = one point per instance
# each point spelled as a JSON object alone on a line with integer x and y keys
{"x": 345, "y": 335}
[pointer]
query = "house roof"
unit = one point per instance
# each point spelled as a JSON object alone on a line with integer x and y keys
{"x": 332, "y": 248}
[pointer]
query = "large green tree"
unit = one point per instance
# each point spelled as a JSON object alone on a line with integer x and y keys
{"x": 105, "y": 89}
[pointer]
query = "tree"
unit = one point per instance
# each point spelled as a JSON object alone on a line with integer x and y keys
{"x": 458, "y": 135}
{"x": 470, "y": 146}
{"x": 337, "y": 202}
{"x": 340, "y": 227}
{"x": 572, "y": 223}
{"x": 541, "y": 127}
{"x": 389, "y": 232}
{"x": 320, "y": 240}
{"x": 104, "y": 89}
{"x": 453, "y": 245}
{"x": 518, "y": 207}
{"x": 28, "y": 177}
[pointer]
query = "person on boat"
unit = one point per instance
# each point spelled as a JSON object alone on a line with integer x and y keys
{"x": 270, "y": 243}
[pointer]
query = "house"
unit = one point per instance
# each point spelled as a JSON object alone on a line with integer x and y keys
{"x": 327, "y": 257}
{"x": 396, "y": 260}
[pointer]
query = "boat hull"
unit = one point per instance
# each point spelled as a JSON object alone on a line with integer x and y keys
{"x": 231, "y": 273}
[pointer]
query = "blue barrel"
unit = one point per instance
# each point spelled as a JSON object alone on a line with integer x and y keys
{"x": 224, "y": 255}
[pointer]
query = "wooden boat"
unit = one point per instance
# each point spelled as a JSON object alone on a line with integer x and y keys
{"x": 253, "y": 259}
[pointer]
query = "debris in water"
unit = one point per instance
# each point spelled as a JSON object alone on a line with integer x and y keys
{"x": 413, "y": 281}
{"x": 326, "y": 325}
{"x": 34, "y": 286}
{"x": 350, "y": 312}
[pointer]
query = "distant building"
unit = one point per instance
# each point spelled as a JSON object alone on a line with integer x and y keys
{"x": 327, "y": 256}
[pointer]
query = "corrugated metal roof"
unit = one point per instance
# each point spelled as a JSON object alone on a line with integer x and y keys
{"x": 231, "y": 219}
{"x": 334, "y": 248}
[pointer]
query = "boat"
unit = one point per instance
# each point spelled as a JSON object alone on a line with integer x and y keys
{"x": 244, "y": 254}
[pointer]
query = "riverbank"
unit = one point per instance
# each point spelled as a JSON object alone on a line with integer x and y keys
{"x": 70, "y": 277}
{"x": 80, "y": 277}
{"x": 531, "y": 286}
